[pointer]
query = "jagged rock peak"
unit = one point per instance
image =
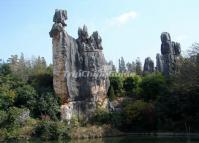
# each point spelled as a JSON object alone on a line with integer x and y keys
{"x": 170, "y": 52}
{"x": 60, "y": 16}
{"x": 88, "y": 42}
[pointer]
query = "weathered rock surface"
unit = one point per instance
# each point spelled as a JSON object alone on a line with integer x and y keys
{"x": 159, "y": 66}
{"x": 148, "y": 65}
{"x": 79, "y": 70}
{"x": 170, "y": 52}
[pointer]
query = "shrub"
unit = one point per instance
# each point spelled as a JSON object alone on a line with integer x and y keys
{"x": 3, "y": 118}
{"x": 3, "y": 133}
{"x": 7, "y": 97}
{"x": 111, "y": 93}
{"x": 115, "y": 119}
{"x": 24, "y": 132}
{"x": 101, "y": 117}
{"x": 17, "y": 116}
{"x": 48, "y": 105}
{"x": 50, "y": 130}
{"x": 74, "y": 121}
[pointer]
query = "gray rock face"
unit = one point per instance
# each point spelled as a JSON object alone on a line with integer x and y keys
{"x": 80, "y": 72}
{"x": 60, "y": 16}
{"x": 170, "y": 51}
{"x": 159, "y": 66}
{"x": 148, "y": 65}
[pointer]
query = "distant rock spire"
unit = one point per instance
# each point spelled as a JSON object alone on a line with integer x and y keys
{"x": 148, "y": 65}
{"x": 170, "y": 52}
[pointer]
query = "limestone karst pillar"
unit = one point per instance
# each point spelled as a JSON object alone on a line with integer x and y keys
{"x": 148, "y": 65}
{"x": 81, "y": 95}
{"x": 170, "y": 52}
{"x": 58, "y": 36}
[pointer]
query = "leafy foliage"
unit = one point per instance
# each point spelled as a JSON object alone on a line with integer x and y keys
{"x": 140, "y": 115}
{"x": 48, "y": 105}
{"x": 51, "y": 130}
{"x": 157, "y": 104}
{"x": 102, "y": 117}
{"x": 3, "y": 117}
{"x": 131, "y": 85}
{"x": 111, "y": 93}
{"x": 117, "y": 85}
{"x": 153, "y": 86}
{"x": 15, "y": 116}
{"x": 26, "y": 97}
{"x": 7, "y": 92}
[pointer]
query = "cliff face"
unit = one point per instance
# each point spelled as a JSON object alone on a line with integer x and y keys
{"x": 80, "y": 72}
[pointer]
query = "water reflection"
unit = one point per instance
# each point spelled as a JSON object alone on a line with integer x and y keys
{"x": 118, "y": 140}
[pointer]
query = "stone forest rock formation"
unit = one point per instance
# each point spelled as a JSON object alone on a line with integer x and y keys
{"x": 79, "y": 70}
{"x": 170, "y": 52}
{"x": 148, "y": 65}
{"x": 159, "y": 66}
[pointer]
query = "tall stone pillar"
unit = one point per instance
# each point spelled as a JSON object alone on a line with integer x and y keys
{"x": 79, "y": 70}
{"x": 170, "y": 51}
{"x": 58, "y": 36}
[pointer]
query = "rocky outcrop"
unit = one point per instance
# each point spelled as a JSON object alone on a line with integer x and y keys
{"x": 159, "y": 66}
{"x": 80, "y": 72}
{"x": 59, "y": 42}
{"x": 148, "y": 65}
{"x": 170, "y": 52}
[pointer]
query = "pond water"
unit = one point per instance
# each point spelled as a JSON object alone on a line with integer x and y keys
{"x": 121, "y": 140}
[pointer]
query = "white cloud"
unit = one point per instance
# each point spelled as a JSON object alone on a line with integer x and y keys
{"x": 123, "y": 18}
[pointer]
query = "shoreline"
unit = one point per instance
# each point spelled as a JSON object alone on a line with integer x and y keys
{"x": 136, "y": 135}
{"x": 165, "y": 134}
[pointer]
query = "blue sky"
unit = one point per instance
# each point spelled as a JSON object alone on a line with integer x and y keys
{"x": 129, "y": 28}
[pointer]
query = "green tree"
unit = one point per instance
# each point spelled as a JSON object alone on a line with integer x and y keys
{"x": 4, "y": 69}
{"x": 48, "y": 105}
{"x": 153, "y": 86}
{"x": 7, "y": 97}
{"x": 139, "y": 116}
{"x": 26, "y": 96}
{"x": 131, "y": 85}
{"x": 117, "y": 84}
{"x": 39, "y": 65}
{"x": 7, "y": 91}
{"x": 42, "y": 82}
{"x": 182, "y": 114}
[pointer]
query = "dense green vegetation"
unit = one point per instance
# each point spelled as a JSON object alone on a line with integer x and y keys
{"x": 26, "y": 88}
{"x": 148, "y": 103}
{"x": 157, "y": 103}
